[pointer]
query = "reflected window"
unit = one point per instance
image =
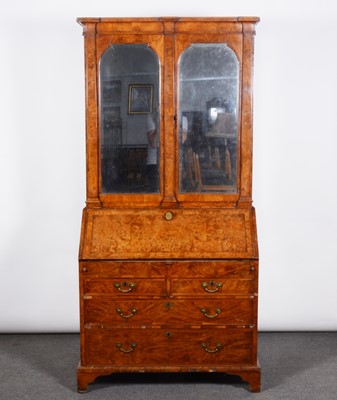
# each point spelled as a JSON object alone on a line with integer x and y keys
{"x": 208, "y": 119}
{"x": 129, "y": 119}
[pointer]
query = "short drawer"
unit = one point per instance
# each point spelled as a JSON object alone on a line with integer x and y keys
{"x": 129, "y": 286}
{"x": 122, "y": 269}
{"x": 235, "y": 312}
{"x": 214, "y": 269}
{"x": 212, "y": 286}
{"x": 146, "y": 347}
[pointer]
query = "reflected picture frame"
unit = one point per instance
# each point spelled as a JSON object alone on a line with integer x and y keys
{"x": 140, "y": 99}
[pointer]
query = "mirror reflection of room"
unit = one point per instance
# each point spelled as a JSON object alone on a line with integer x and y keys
{"x": 208, "y": 111}
{"x": 152, "y": 154}
{"x": 129, "y": 122}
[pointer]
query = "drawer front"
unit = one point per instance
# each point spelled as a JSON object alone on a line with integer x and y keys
{"x": 213, "y": 269}
{"x": 123, "y": 269}
{"x": 184, "y": 312}
{"x": 114, "y": 312}
{"x": 130, "y": 286}
{"x": 176, "y": 269}
{"x": 146, "y": 347}
{"x": 209, "y": 286}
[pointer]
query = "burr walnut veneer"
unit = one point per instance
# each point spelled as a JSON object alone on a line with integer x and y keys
{"x": 168, "y": 259}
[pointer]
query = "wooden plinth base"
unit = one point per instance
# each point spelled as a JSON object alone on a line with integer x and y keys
{"x": 87, "y": 375}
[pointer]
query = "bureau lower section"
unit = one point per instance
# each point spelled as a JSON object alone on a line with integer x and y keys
{"x": 166, "y": 316}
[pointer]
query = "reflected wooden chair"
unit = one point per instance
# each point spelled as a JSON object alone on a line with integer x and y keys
{"x": 191, "y": 171}
{"x": 199, "y": 186}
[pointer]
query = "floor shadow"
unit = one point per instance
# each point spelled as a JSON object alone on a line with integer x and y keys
{"x": 195, "y": 380}
{"x": 169, "y": 378}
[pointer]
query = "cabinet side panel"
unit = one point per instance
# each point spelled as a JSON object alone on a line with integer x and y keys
{"x": 247, "y": 116}
{"x": 91, "y": 115}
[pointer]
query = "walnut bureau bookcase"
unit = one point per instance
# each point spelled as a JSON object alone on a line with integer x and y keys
{"x": 168, "y": 259}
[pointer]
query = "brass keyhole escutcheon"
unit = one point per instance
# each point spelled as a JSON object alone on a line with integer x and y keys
{"x": 168, "y": 305}
{"x": 168, "y": 216}
{"x": 168, "y": 334}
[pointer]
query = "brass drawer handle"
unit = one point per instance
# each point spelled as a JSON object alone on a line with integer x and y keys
{"x": 120, "y": 312}
{"x": 215, "y": 350}
{"x": 130, "y": 350}
{"x": 205, "y": 313}
{"x": 211, "y": 287}
{"x": 125, "y": 287}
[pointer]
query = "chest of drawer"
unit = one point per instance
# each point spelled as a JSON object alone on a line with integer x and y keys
{"x": 146, "y": 347}
{"x": 161, "y": 312}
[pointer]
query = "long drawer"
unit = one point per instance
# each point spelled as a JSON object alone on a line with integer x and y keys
{"x": 156, "y": 269}
{"x": 145, "y": 347}
{"x": 236, "y": 311}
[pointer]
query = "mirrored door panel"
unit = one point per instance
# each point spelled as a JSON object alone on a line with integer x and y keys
{"x": 129, "y": 119}
{"x": 208, "y": 119}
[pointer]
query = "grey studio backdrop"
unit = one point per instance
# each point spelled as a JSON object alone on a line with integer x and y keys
{"x": 42, "y": 157}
